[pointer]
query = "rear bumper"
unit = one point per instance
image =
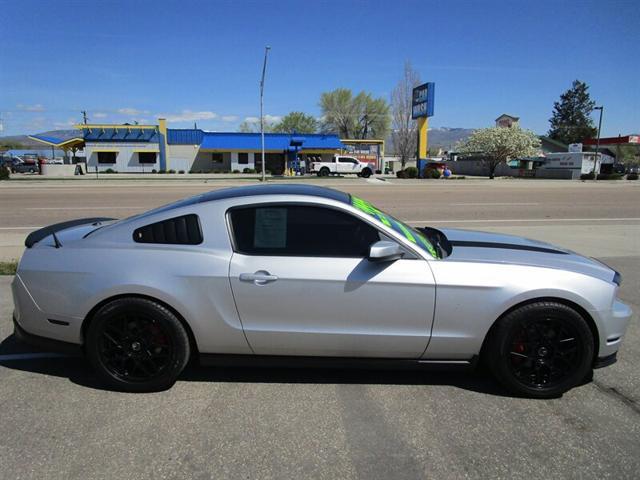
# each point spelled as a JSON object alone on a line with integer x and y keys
{"x": 48, "y": 344}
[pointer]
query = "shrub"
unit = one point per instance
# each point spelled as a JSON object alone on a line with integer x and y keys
{"x": 433, "y": 173}
{"x": 609, "y": 176}
{"x": 4, "y": 173}
{"x": 236, "y": 171}
{"x": 249, "y": 170}
{"x": 180, "y": 172}
{"x": 154, "y": 171}
{"x": 587, "y": 176}
{"x": 109, "y": 170}
{"x": 378, "y": 172}
{"x": 267, "y": 172}
{"x": 412, "y": 172}
{"x": 162, "y": 170}
{"x": 171, "y": 171}
{"x": 401, "y": 174}
{"x": 632, "y": 176}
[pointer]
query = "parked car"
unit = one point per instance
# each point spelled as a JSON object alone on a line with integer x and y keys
{"x": 342, "y": 165}
{"x": 270, "y": 274}
{"x": 23, "y": 167}
{"x": 619, "y": 168}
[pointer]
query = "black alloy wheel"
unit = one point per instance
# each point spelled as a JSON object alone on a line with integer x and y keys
{"x": 541, "y": 350}
{"x": 137, "y": 345}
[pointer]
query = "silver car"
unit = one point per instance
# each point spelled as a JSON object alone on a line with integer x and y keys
{"x": 304, "y": 275}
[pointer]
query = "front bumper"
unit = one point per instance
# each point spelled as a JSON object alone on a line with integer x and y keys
{"x": 613, "y": 326}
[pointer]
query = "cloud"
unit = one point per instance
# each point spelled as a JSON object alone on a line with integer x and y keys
{"x": 100, "y": 115}
{"x": 69, "y": 123}
{"x": 267, "y": 119}
{"x": 132, "y": 111}
{"x": 188, "y": 116}
{"x": 31, "y": 108}
{"x": 229, "y": 118}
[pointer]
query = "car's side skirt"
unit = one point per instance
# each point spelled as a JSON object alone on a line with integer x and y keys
{"x": 270, "y": 361}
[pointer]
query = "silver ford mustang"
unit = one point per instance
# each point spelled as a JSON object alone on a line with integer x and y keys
{"x": 305, "y": 275}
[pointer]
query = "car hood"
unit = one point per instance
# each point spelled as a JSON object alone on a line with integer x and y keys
{"x": 469, "y": 245}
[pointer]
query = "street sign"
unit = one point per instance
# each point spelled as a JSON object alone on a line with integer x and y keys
{"x": 422, "y": 101}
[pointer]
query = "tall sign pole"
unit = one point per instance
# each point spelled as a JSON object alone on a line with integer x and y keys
{"x": 595, "y": 157}
{"x": 264, "y": 69}
{"x": 421, "y": 110}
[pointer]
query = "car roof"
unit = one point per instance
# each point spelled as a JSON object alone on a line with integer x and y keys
{"x": 250, "y": 191}
{"x": 276, "y": 189}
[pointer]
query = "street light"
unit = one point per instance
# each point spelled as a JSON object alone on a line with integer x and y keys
{"x": 264, "y": 69}
{"x": 595, "y": 161}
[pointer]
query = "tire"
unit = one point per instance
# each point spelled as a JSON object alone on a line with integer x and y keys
{"x": 324, "y": 172}
{"x": 366, "y": 173}
{"x": 540, "y": 350}
{"x": 137, "y": 345}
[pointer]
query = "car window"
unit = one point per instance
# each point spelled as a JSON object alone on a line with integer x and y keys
{"x": 303, "y": 231}
{"x": 408, "y": 232}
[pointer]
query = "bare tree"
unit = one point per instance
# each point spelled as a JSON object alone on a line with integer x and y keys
{"x": 404, "y": 129}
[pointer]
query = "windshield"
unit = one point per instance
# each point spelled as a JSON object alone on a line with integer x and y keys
{"x": 408, "y": 232}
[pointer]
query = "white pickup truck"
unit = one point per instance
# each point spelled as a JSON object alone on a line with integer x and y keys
{"x": 342, "y": 165}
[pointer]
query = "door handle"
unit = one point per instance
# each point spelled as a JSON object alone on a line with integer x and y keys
{"x": 260, "y": 277}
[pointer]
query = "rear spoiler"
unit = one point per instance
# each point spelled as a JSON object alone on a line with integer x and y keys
{"x": 35, "y": 237}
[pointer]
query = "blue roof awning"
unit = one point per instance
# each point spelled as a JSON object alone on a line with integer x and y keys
{"x": 272, "y": 141}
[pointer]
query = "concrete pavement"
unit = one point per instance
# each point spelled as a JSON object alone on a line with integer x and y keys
{"x": 58, "y": 423}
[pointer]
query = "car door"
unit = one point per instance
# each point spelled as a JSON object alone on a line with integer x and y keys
{"x": 303, "y": 286}
{"x": 344, "y": 165}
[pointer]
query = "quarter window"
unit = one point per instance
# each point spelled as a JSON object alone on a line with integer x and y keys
{"x": 301, "y": 231}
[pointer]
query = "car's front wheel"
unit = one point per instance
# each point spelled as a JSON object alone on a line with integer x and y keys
{"x": 137, "y": 345}
{"x": 541, "y": 350}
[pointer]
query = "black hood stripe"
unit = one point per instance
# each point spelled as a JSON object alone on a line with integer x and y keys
{"x": 509, "y": 246}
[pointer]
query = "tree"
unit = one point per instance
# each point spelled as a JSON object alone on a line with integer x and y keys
{"x": 404, "y": 132}
{"x": 362, "y": 116}
{"x": 571, "y": 121}
{"x": 297, "y": 122}
{"x": 496, "y": 145}
{"x": 253, "y": 126}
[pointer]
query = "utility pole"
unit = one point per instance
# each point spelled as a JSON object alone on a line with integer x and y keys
{"x": 264, "y": 69}
{"x": 595, "y": 161}
{"x": 84, "y": 116}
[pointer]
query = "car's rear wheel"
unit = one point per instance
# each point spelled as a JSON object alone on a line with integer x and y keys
{"x": 137, "y": 345}
{"x": 541, "y": 350}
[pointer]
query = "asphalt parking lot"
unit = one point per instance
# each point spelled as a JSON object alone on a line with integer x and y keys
{"x": 57, "y": 422}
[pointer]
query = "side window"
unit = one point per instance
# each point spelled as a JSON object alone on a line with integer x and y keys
{"x": 184, "y": 230}
{"x": 301, "y": 231}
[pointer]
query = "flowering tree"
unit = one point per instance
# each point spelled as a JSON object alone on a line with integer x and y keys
{"x": 497, "y": 145}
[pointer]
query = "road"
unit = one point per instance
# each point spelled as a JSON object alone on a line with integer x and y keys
{"x": 57, "y": 422}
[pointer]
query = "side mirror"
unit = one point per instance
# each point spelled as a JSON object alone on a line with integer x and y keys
{"x": 385, "y": 251}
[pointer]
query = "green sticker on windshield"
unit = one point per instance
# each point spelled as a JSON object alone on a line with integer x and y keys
{"x": 406, "y": 231}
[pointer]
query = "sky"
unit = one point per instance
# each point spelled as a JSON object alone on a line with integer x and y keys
{"x": 200, "y": 61}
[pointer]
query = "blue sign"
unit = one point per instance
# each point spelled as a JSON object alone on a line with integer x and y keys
{"x": 422, "y": 101}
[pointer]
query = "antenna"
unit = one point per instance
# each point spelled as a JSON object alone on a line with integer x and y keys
{"x": 56, "y": 241}
{"x": 84, "y": 116}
